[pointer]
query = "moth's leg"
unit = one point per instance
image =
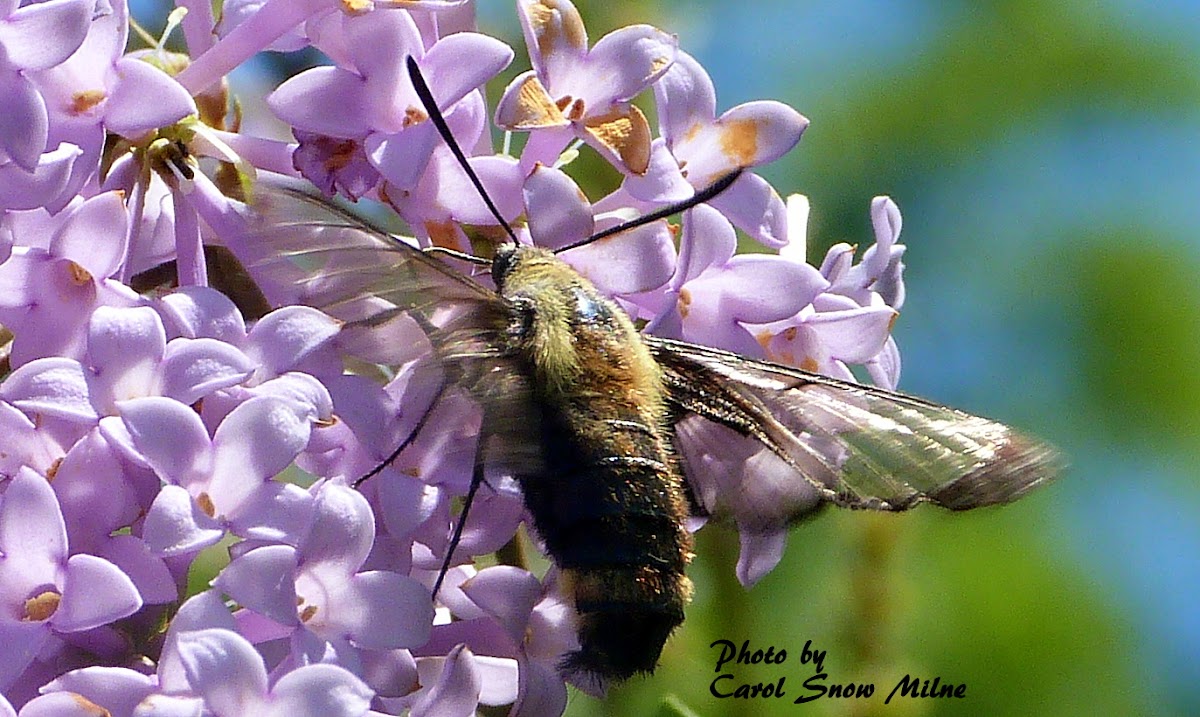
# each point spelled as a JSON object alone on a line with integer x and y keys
{"x": 412, "y": 436}
{"x": 476, "y": 481}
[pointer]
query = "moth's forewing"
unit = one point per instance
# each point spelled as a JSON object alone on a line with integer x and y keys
{"x": 304, "y": 249}
{"x": 768, "y": 444}
{"x": 225, "y": 274}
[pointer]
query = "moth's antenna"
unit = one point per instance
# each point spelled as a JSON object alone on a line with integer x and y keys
{"x": 435, "y": 115}
{"x": 699, "y": 197}
{"x": 439, "y": 121}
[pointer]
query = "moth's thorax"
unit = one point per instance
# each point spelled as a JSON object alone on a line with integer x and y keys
{"x": 574, "y": 338}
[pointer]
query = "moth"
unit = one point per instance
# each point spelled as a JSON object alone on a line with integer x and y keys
{"x": 616, "y": 437}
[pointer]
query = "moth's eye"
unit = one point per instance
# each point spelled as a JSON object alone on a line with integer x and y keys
{"x": 502, "y": 264}
{"x": 524, "y": 313}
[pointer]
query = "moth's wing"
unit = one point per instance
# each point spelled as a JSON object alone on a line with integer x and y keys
{"x": 303, "y": 249}
{"x": 768, "y": 444}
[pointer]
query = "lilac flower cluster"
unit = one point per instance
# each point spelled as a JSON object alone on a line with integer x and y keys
{"x": 140, "y": 431}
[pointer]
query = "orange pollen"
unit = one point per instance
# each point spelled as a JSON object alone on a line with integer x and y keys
{"x": 808, "y": 363}
{"x": 414, "y": 115}
{"x": 206, "y": 504}
{"x": 53, "y": 469}
{"x": 87, "y": 707}
{"x": 576, "y": 111}
{"x": 357, "y": 7}
{"x": 739, "y": 141}
{"x": 684, "y": 301}
{"x": 85, "y": 100}
{"x": 41, "y": 607}
{"x": 442, "y": 234}
{"x": 79, "y": 275}
{"x": 341, "y": 155}
{"x": 764, "y": 339}
{"x": 308, "y": 613}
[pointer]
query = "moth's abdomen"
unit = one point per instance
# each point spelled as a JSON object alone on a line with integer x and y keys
{"x": 612, "y": 518}
{"x": 609, "y": 501}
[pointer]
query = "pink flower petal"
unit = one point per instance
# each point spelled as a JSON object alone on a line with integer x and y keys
{"x": 104, "y": 216}
{"x": 263, "y": 580}
{"x": 124, "y": 348}
{"x": 95, "y": 592}
{"x": 255, "y": 441}
{"x": 320, "y": 690}
{"x": 854, "y": 336}
{"x": 129, "y": 114}
{"x": 663, "y": 182}
{"x": 379, "y": 43}
{"x": 277, "y": 513}
{"x": 200, "y": 312}
{"x": 24, "y": 124}
{"x": 637, "y": 260}
{"x": 50, "y": 386}
{"x": 708, "y": 242}
{"x": 402, "y": 157}
{"x": 755, "y": 133}
{"x": 287, "y": 337}
{"x": 462, "y": 62}
{"x": 324, "y": 100}
{"x": 760, "y": 288}
{"x": 170, "y": 436}
{"x": 199, "y": 612}
{"x": 686, "y": 98}
{"x": 622, "y": 64}
{"x": 41, "y": 35}
{"x": 754, "y": 206}
{"x": 175, "y": 525}
{"x": 194, "y": 368}
{"x": 384, "y": 610}
{"x": 118, "y": 689}
{"x": 32, "y": 532}
{"x": 342, "y": 529}
{"x": 555, "y": 36}
{"x": 226, "y": 670}
{"x": 558, "y": 211}
{"x": 506, "y": 593}
{"x": 456, "y": 691}
{"x": 22, "y": 189}
{"x": 760, "y": 553}
{"x": 147, "y": 571}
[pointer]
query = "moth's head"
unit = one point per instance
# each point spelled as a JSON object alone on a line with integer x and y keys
{"x": 516, "y": 265}
{"x": 503, "y": 263}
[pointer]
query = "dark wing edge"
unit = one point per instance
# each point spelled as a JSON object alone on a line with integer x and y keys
{"x": 768, "y": 444}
